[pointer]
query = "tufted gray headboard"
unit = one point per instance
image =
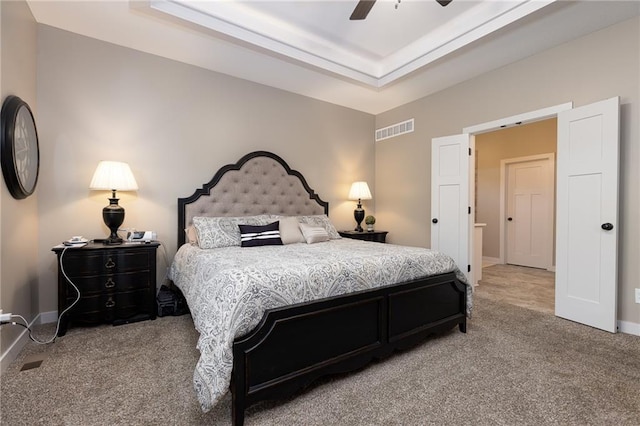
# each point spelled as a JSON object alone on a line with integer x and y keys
{"x": 259, "y": 183}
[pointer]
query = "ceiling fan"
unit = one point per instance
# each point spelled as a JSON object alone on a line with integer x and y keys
{"x": 364, "y": 6}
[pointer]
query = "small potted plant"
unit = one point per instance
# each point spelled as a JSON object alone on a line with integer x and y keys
{"x": 370, "y": 221}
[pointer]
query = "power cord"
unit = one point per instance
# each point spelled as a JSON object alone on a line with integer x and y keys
{"x": 26, "y": 324}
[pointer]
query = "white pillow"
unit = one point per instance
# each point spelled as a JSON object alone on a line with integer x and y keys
{"x": 290, "y": 230}
{"x": 323, "y": 221}
{"x": 314, "y": 234}
{"x": 214, "y": 232}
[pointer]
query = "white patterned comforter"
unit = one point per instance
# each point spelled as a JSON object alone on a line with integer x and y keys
{"x": 229, "y": 289}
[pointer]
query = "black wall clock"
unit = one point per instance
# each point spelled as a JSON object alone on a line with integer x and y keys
{"x": 19, "y": 150}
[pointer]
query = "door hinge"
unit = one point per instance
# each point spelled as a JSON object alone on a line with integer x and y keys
{"x": 469, "y": 151}
{"x": 468, "y": 268}
{"x": 469, "y": 209}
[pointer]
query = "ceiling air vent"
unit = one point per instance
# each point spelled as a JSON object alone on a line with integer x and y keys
{"x": 394, "y": 130}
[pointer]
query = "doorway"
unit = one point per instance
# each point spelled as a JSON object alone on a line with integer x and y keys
{"x": 518, "y": 147}
{"x": 514, "y": 169}
{"x": 587, "y": 182}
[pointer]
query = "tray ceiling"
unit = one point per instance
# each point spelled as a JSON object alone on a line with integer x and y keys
{"x": 396, "y": 55}
{"x": 395, "y": 39}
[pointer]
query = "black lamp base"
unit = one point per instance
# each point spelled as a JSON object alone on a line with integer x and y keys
{"x": 112, "y": 241}
{"x": 358, "y": 214}
{"x": 113, "y": 216}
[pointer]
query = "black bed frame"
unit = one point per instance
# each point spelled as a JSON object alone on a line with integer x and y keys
{"x": 294, "y": 345}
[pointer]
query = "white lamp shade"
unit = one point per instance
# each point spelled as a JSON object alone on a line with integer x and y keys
{"x": 113, "y": 175}
{"x": 359, "y": 191}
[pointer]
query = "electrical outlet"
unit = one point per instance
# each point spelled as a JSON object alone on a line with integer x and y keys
{"x": 637, "y": 295}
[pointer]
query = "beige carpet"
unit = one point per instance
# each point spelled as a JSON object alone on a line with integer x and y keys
{"x": 518, "y": 285}
{"x": 515, "y": 366}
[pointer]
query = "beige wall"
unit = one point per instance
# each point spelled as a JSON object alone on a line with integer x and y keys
{"x": 493, "y": 147}
{"x": 592, "y": 68}
{"x": 18, "y": 219}
{"x": 176, "y": 125}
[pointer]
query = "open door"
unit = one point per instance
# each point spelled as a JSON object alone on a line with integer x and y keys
{"x": 451, "y": 215}
{"x": 587, "y": 214}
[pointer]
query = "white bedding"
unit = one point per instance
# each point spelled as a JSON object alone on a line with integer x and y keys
{"x": 229, "y": 289}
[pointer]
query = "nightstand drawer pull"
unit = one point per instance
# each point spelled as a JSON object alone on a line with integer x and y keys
{"x": 110, "y": 303}
{"x": 110, "y": 264}
{"x": 110, "y": 283}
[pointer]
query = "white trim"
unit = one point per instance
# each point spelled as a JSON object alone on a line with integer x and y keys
{"x": 628, "y": 327}
{"x": 519, "y": 119}
{"x": 14, "y": 349}
{"x": 403, "y": 62}
{"x": 504, "y": 163}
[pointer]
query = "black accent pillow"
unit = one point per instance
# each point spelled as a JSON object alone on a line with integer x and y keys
{"x": 260, "y": 235}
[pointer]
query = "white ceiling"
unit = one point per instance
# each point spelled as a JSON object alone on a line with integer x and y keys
{"x": 310, "y": 47}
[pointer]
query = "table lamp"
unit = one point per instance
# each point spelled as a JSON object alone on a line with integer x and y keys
{"x": 113, "y": 176}
{"x": 359, "y": 191}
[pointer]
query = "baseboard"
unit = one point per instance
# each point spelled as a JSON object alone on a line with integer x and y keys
{"x": 14, "y": 349}
{"x": 628, "y": 327}
{"x": 48, "y": 317}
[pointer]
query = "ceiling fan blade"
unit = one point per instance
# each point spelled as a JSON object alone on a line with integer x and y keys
{"x": 443, "y": 3}
{"x": 362, "y": 10}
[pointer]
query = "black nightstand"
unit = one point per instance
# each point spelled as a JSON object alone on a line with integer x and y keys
{"x": 117, "y": 283}
{"x": 375, "y": 236}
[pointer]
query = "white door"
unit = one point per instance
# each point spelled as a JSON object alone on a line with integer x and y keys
{"x": 587, "y": 214}
{"x": 450, "y": 208}
{"x": 529, "y": 213}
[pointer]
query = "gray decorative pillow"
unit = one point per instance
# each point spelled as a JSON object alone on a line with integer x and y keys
{"x": 314, "y": 234}
{"x": 215, "y": 232}
{"x": 323, "y": 221}
{"x": 290, "y": 230}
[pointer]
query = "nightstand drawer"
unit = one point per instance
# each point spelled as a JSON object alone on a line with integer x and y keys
{"x": 111, "y": 283}
{"x": 109, "y": 307}
{"x": 111, "y": 262}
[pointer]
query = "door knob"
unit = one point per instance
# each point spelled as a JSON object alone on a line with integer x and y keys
{"x": 434, "y": 220}
{"x": 509, "y": 219}
{"x": 607, "y": 226}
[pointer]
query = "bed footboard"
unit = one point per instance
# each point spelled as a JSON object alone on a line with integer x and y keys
{"x": 294, "y": 345}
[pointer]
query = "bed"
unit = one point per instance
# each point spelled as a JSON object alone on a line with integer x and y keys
{"x": 273, "y": 318}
